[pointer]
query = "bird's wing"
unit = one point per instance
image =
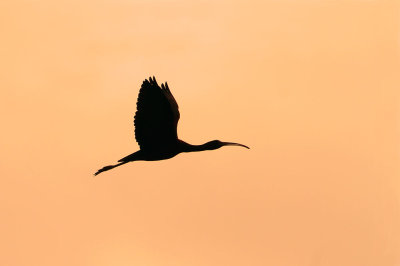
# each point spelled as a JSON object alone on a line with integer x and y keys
{"x": 157, "y": 116}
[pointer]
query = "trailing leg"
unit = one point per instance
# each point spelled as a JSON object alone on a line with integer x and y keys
{"x": 108, "y": 167}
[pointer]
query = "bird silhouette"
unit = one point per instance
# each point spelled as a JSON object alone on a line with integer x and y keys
{"x": 156, "y": 122}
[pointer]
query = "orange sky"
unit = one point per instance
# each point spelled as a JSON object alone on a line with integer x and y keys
{"x": 311, "y": 86}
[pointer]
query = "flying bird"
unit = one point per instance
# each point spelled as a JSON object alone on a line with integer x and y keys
{"x": 156, "y": 122}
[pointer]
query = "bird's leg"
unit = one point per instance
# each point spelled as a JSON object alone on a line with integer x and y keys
{"x": 108, "y": 167}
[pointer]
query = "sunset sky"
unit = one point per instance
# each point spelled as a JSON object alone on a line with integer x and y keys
{"x": 312, "y": 86}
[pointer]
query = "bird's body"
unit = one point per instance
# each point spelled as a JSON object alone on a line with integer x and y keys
{"x": 156, "y": 122}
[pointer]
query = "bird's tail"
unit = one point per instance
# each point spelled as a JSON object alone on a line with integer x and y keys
{"x": 131, "y": 157}
{"x": 108, "y": 167}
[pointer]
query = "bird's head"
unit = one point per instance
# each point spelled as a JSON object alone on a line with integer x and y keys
{"x": 216, "y": 144}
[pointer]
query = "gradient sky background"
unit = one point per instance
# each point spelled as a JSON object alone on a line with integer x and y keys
{"x": 311, "y": 86}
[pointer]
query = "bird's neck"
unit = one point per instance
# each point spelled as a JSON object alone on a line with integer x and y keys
{"x": 186, "y": 147}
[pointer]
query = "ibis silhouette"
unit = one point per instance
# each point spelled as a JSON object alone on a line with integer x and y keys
{"x": 156, "y": 122}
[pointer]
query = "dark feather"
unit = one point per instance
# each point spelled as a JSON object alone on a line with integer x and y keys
{"x": 157, "y": 116}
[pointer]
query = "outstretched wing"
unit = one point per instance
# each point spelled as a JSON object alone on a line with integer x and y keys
{"x": 157, "y": 116}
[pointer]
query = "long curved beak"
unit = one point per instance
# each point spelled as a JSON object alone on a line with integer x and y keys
{"x": 234, "y": 144}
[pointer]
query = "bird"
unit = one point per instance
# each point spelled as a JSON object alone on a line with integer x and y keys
{"x": 156, "y": 121}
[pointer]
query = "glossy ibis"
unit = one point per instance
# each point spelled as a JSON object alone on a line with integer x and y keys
{"x": 156, "y": 122}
